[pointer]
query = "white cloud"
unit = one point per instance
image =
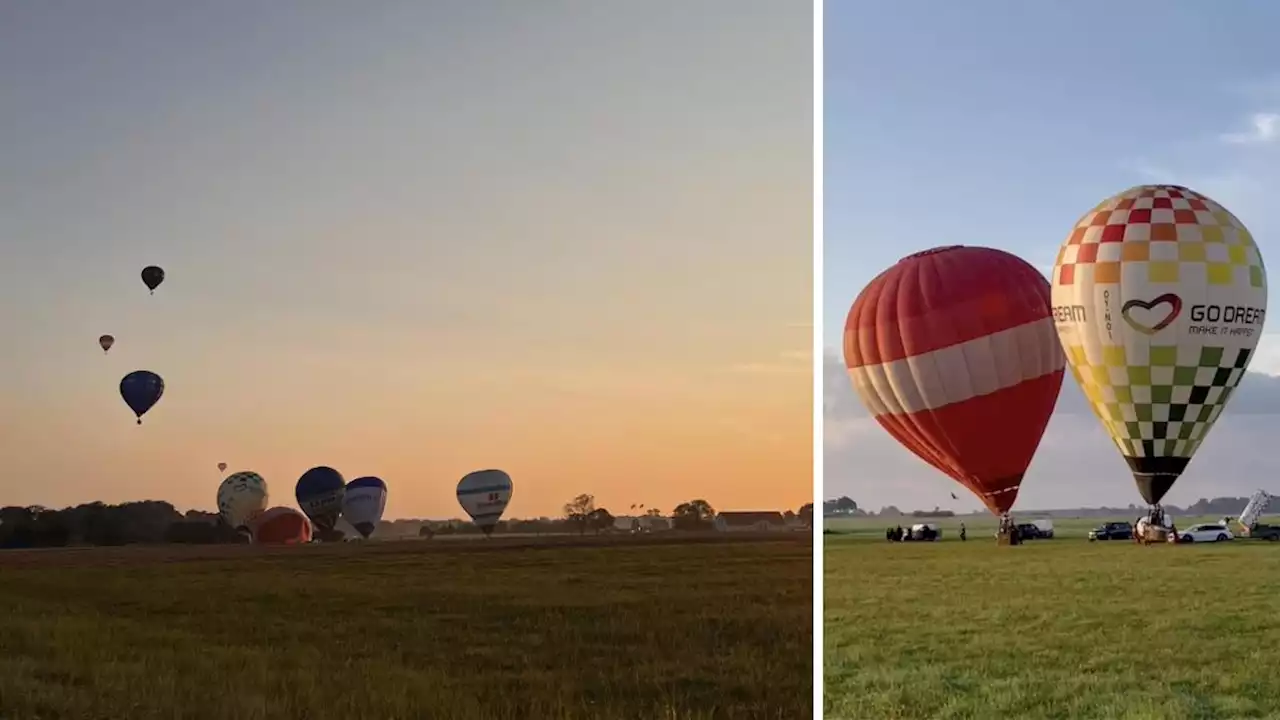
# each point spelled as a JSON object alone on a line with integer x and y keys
{"x": 1264, "y": 128}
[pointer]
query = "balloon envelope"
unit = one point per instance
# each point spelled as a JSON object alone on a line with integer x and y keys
{"x": 242, "y": 496}
{"x": 222, "y": 467}
{"x": 363, "y": 503}
{"x": 281, "y": 526}
{"x": 152, "y": 276}
{"x": 319, "y": 492}
{"x": 105, "y": 342}
{"x": 953, "y": 352}
{"x": 1159, "y": 296}
{"x": 141, "y": 390}
{"x": 484, "y": 494}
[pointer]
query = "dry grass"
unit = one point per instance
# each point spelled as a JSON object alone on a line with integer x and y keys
{"x": 507, "y": 629}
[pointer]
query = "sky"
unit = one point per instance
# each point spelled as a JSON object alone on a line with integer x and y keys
{"x": 569, "y": 240}
{"x": 999, "y": 124}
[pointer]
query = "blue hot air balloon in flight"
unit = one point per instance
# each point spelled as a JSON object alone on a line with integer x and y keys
{"x": 141, "y": 390}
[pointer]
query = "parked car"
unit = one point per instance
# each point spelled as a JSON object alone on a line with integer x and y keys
{"x": 1112, "y": 531}
{"x": 1029, "y": 531}
{"x": 926, "y": 531}
{"x": 1207, "y": 532}
{"x": 1260, "y": 531}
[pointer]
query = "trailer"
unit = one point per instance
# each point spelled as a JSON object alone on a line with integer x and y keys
{"x": 1248, "y": 521}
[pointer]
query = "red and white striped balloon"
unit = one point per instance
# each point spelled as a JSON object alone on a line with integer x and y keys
{"x": 954, "y": 352}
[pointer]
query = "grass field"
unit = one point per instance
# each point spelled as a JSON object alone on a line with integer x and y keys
{"x": 1049, "y": 629}
{"x": 502, "y": 629}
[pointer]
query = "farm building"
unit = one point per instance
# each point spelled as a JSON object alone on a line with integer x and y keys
{"x": 751, "y": 521}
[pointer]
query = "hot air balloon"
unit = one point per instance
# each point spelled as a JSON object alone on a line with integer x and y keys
{"x": 363, "y": 503}
{"x": 105, "y": 342}
{"x": 281, "y": 526}
{"x": 141, "y": 390}
{"x": 484, "y": 494}
{"x": 319, "y": 492}
{"x": 222, "y": 467}
{"x": 242, "y": 497}
{"x": 953, "y": 352}
{"x": 1159, "y": 297}
{"x": 152, "y": 276}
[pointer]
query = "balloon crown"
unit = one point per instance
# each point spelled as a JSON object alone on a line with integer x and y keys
{"x": 931, "y": 251}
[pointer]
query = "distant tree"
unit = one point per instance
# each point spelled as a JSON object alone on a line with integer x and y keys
{"x": 600, "y": 520}
{"x": 196, "y": 532}
{"x": 805, "y": 514}
{"x": 578, "y": 511}
{"x": 201, "y": 516}
{"x": 15, "y": 515}
{"x": 693, "y": 515}
{"x": 653, "y": 512}
{"x": 846, "y": 505}
{"x": 426, "y": 532}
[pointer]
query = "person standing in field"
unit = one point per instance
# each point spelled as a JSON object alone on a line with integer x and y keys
{"x": 962, "y": 532}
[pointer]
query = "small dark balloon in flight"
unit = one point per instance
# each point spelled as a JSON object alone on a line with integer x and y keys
{"x": 152, "y": 276}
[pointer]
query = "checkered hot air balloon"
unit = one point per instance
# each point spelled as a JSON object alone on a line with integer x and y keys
{"x": 1159, "y": 297}
{"x": 242, "y": 496}
{"x": 954, "y": 353}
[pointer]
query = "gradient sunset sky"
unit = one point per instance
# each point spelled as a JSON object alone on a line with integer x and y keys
{"x": 572, "y": 240}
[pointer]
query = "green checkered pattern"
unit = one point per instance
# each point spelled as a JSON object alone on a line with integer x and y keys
{"x": 1162, "y": 404}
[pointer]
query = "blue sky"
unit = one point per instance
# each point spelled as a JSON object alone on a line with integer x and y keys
{"x": 999, "y": 124}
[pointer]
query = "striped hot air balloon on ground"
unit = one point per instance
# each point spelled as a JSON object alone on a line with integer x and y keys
{"x": 953, "y": 351}
{"x": 484, "y": 494}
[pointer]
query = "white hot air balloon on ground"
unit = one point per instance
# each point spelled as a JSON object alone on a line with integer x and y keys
{"x": 484, "y": 494}
{"x": 363, "y": 503}
{"x": 242, "y": 497}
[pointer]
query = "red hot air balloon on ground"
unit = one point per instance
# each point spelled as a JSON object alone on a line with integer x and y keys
{"x": 954, "y": 352}
{"x": 281, "y": 526}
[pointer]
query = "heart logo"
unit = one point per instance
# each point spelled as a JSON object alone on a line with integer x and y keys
{"x": 1175, "y": 306}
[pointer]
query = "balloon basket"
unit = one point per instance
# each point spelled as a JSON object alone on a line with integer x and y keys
{"x": 1152, "y": 534}
{"x": 1006, "y": 537}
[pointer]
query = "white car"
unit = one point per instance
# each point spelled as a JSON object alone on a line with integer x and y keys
{"x": 1207, "y": 532}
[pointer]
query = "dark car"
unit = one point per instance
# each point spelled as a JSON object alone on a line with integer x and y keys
{"x": 1112, "y": 531}
{"x": 1029, "y": 531}
{"x": 1264, "y": 532}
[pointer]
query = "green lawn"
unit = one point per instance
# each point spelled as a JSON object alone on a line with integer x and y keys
{"x": 1050, "y": 629}
{"x": 389, "y": 631}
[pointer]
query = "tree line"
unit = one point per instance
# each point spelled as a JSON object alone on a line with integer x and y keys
{"x": 158, "y": 522}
